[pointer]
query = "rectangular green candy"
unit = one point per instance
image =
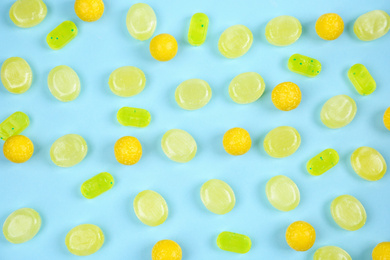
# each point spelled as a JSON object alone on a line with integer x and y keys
{"x": 131, "y": 116}
{"x": 198, "y": 29}
{"x": 61, "y": 35}
{"x": 304, "y": 65}
{"x": 361, "y": 79}
{"x": 322, "y": 162}
{"x": 13, "y": 125}
{"x": 234, "y": 242}
{"x": 97, "y": 185}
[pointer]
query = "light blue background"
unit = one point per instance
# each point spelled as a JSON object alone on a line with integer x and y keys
{"x": 105, "y": 45}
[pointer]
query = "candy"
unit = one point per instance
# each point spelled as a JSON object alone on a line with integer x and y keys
{"x": 217, "y": 196}
{"x": 331, "y": 253}
{"x": 372, "y": 25}
{"x": 283, "y": 30}
{"x": 348, "y": 212}
{"x": 68, "y": 150}
{"x": 381, "y": 251}
{"x": 193, "y": 94}
{"x": 235, "y": 41}
{"x": 89, "y": 10}
{"x": 282, "y": 193}
{"x": 13, "y": 125}
{"x": 151, "y": 208}
{"x": 198, "y": 29}
{"x": 64, "y": 83}
{"x": 21, "y": 225}
{"x": 128, "y": 150}
{"x": 84, "y": 239}
{"x": 28, "y": 13}
{"x": 141, "y": 21}
{"x": 322, "y": 162}
{"x": 246, "y": 88}
{"x": 16, "y": 75}
{"x": 300, "y": 236}
{"x": 234, "y": 242}
{"x": 131, "y": 116}
{"x": 368, "y": 163}
{"x": 282, "y": 141}
{"x": 61, "y": 35}
{"x": 286, "y": 96}
{"x": 166, "y": 250}
{"x": 178, "y": 145}
{"x": 329, "y": 26}
{"x": 97, "y": 185}
{"x": 304, "y": 65}
{"x": 163, "y": 47}
{"x": 236, "y": 141}
{"x": 127, "y": 81}
{"x": 361, "y": 79}
{"x": 18, "y": 149}
{"x": 386, "y": 118}
{"x": 338, "y": 111}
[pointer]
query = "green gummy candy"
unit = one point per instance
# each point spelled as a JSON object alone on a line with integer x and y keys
{"x": 61, "y": 35}
{"x": 304, "y": 65}
{"x": 234, "y": 242}
{"x": 131, "y": 116}
{"x": 97, "y": 185}
{"x": 198, "y": 29}
{"x": 361, "y": 79}
{"x": 13, "y": 125}
{"x": 322, "y": 162}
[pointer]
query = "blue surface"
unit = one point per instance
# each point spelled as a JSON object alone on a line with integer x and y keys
{"x": 105, "y": 45}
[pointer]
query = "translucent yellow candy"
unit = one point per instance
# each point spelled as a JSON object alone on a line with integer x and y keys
{"x": 166, "y": 250}
{"x": 64, "y": 83}
{"x": 151, "y": 208}
{"x": 329, "y": 26}
{"x": 237, "y": 141}
{"x": 178, "y": 145}
{"x": 322, "y": 162}
{"x": 246, "y": 88}
{"x": 331, "y": 253}
{"x": 235, "y": 41}
{"x": 97, "y": 185}
{"x": 16, "y": 75}
{"x": 127, "y": 81}
{"x": 193, "y": 94}
{"x": 141, "y": 21}
{"x": 381, "y": 251}
{"x": 283, "y": 30}
{"x": 372, "y": 25}
{"x": 368, "y": 163}
{"x": 68, "y": 150}
{"x": 282, "y": 193}
{"x": 13, "y": 125}
{"x": 338, "y": 111}
{"x": 84, "y": 239}
{"x": 282, "y": 141}
{"x": 233, "y": 242}
{"x": 131, "y": 116}
{"x": 89, "y": 10}
{"x": 163, "y": 47}
{"x": 300, "y": 236}
{"x": 348, "y": 212}
{"x": 361, "y": 79}
{"x": 128, "y": 150}
{"x": 61, "y": 35}
{"x": 304, "y": 65}
{"x": 386, "y": 118}
{"x": 28, "y": 13}
{"x": 18, "y": 149}
{"x": 21, "y": 225}
{"x": 198, "y": 29}
{"x": 217, "y": 196}
{"x": 286, "y": 96}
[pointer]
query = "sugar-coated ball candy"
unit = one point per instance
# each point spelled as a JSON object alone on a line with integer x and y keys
{"x": 361, "y": 79}
{"x": 368, "y": 163}
{"x": 338, "y": 111}
{"x": 282, "y": 141}
{"x": 372, "y": 25}
{"x": 193, "y": 94}
{"x": 150, "y": 208}
{"x": 300, "y": 236}
{"x": 131, "y": 116}
{"x": 84, "y": 239}
{"x": 381, "y": 251}
{"x": 128, "y": 150}
{"x": 386, "y": 118}
{"x": 141, "y": 21}
{"x": 97, "y": 185}
{"x": 217, "y": 196}
{"x": 237, "y": 141}
{"x": 178, "y": 145}
{"x": 127, "y": 81}
{"x": 246, "y": 87}
{"x": 283, "y": 30}
{"x": 331, "y": 253}
{"x": 89, "y": 10}
{"x": 166, "y": 250}
{"x": 64, "y": 83}
{"x": 21, "y": 225}
{"x": 68, "y": 150}
{"x": 16, "y": 75}
{"x": 286, "y": 96}
{"x": 28, "y": 13}
{"x": 13, "y": 125}
{"x": 322, "y": 162}
{"x": 235, "y": 41}
{"x": 233, "y": 242}
{"x": 18, "y": 149}
{"x": 282, "y": 193}
{"x": 198, "y": 29}
{"x": 348, "y": 212}
{"x": 329, "y": 26}
{"x": 304, "y": 65}
{"x": 163, "y": 47}
{"x": 62, "y": 35}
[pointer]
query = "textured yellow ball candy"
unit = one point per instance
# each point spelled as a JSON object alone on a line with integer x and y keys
{"x": 21, "y": 225}
{"x": 84, "y": 239}
{"x": 18, "y": 149}
{"x": 286, "y": 96}
{"x": 163, "y": 47}
{"x": 300, "y": 236}
{"x": 237, "y": 141}
{"x": 235, "y": 41}
{"x": 166, "y": 250}
{"x": 381, "y": 251}
{"x": 128, "y": 150}
{"x": 329, "y": 26}
{"x": 89, "y": 10}
{"x": 368, "y": 163}
{"x": 386, "y": 118}
{"x": 28, "y": 13}
{"x": 16, "y": 75}
{"x": 283, "y": 30}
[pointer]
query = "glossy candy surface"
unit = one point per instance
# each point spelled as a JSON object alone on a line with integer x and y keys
{"x": 166, "y": 250}
{"x": 18, "y": 149}
{"x": 300, "y": 236}
{"x": 178, "y": 145}
{"x": 128, "y": 150}
{"x": 151, "y": 208}
{"x": 13, "y": 125}
{"x": 235, "y": 41}
{"x": 141, "y": 21}
{"x": 64, "y": 83}
{"x": 193, "y": 94}
{"x": 283, "y": 30}
{"x": 234, "y": 242}
{"x": 237, "y": 141}
{"x": 368, "y": 163}
{"x": 16, "y": 75}
{"x": 68, "y": 150}
{"x": 348, "y": 212}
{"x": 61, "y": 35}
{"x": 89, "y": 10}
{"x": 329, "y": 26}
{"x": 286, "y": 96}
{"x": 163, "y": 47}
{"x": 127, "y": 81}
{"x": 304, "y": 65}
{"x": 246, "y": 87}
{"x": 28, "y": 13}
{"x": 84, "y": 239}
{"x": 381, "y": 251}
{"x": 131, "y": 116}
{"x": 97, "y": 185}
{"x": 217, "y": 196}
{"x": 338, "y": 111}
{"x": 282, "y": 141}
{"x": 282, "y": 193}
{"x": 322, "y": 162}
{"x": 21, "y": 225}
{"x": 198, "y": 29}
{"x": 372, "y": 25}
{"x": 386, "y": 118}
{"x": 361, "y": 79}
{"x": 331, "y": 253}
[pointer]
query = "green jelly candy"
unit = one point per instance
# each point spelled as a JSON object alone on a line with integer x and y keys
{"x": 97, "y": 185}
{"x": 198, "y": 29}
{"x": 322, "y": 162}
{"x": 348, "y": 212}
{"x": 234, "y": 242}
{"x": 361, "y": 79}
{"x": 131, "y": 116}
{"x": 61, "y": 35}
{"x": 331, "y": 253}
{"x": 304, "y": 65}
{"x": 13, "y": 125}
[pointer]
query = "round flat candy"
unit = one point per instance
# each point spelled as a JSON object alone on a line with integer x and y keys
{"x": 282, "y": 141}
{"x": 193, "y": 94}
{"x": 235, "y": 41}
{"x": 217, "y": 196}
{"x": 331, "y": 253}
{"x": 372, "y": 25}
{"x": 64, "y": 83}
{"x": 348, "y": 212}
{"x": 368, "y": 163}
{"x": 151, "y": 208}
{"x": 283, "y": 30}
{"x": 246, "y": 88}
{"x": 178, "y": 145}
{"x": 84, "y": 239}
{"x": 338, "y": 111}
{"x": 16, "y": 75}
{"x": 68, "y": 150}
{"x": 21, "y": 225}
{"x": 282, "y": 193}
{"x": 127, "y": 81}
{"x": 28, "y": 13}
{"x": 141, "y": 21}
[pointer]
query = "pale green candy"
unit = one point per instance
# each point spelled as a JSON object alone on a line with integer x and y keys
{"x": 64, "y": 83}
{"x": 282, "y": 141}
{"x": 235, "y": 41}
{"x": 127, "y": 81}
{"x": 27, "y": 13}
{"x": 141, "y": 21}
{"x": 84, "y": 239}
{"x": 348, "y": 212}
{"x": 331, "y": 253}
{"x": 217, "y": 196}
{"x": 97, "y": 185}
{"x": 193, "y": 94}
{"x": 368, "y": 163}
{"x": 246, "y": 88}
{"x": 338, "y": 111}
{"x": 372, "y": 25}
{"x": 233, "y": 242}
{"x": 131, "y": 116}
{"x": 21, "y": 225}
{"x": 13, "y": 125}
{"x": 322, "y": 162}
{"x": 68, "y": 150}
{"x": 151, "y": 208}
{"x": 282, "y": 193}
{"x": 304, "y": 65}
{"x": 361, "y": 79}
{"x": 283, "y": 30}
{"x": 178, "y": 145}
{"x": 16, "y": 75}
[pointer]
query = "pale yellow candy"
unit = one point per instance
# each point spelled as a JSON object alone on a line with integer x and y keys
{"x": 193, "y": 94}
{"x": 282, "y": 141}
{"x": 348, "y": 212}
{"x": 151, "y": 208}
{"x": 338, "y": 111}
{"x": 127, "y": 81}
{"x": 27, "y": 13}
{"x": 178, "y": 145}
{"x": 331, "y": 253}
{"x": 282, "y": 193}
{"x": 368, "y": 163}
{"x": 283, "y": 30}
{"x": 84, "y": 239}
{"x": 372, "y": 25}
{"x": 217, "y": 196}
{"x": 141, "y": 21}
{"x": 68, "y": 150}
{"x": 235, "y": 41}
{"x": 21, "y": 225}
{"x": 246, "y": 88}
{"x": 16, "y": 75}
{"x": 64, "y": 83}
